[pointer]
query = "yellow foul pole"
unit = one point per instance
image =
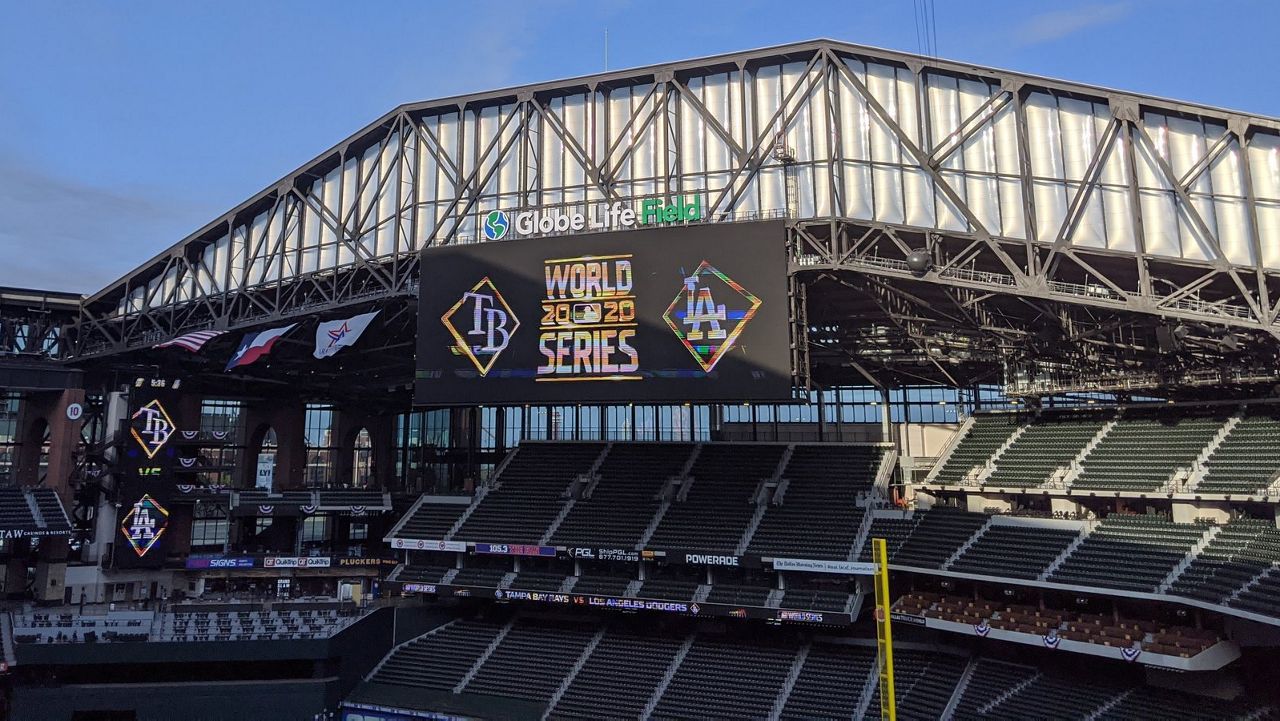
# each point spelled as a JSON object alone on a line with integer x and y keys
{"x": 884, "y": 634}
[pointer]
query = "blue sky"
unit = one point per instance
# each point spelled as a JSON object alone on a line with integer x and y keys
{"x": 124, "y": 126}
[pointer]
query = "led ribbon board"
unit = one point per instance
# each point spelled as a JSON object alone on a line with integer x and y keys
{"x": 690, "y": 313}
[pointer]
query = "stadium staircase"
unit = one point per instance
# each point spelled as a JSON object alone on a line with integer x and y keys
{"x": 946, "y": 565}
{"x": 789, "y": 685}
{"x": 950, "y": 710}
{"x": 774, "y": 599}
{"x": 868, "y": 694}
{"x": 990, "y": 466}
{"x": 484, "y": 656}
{"x": 481, "y": 492}
{"x": 390, "y": 654}
{"x": 1066, "y": 552}
{"x": 884, "y": 473}
{"x": 1076, "y": 466}
{"x": 950, "y": 448}
{"x": 860, "y": 541}
{"x": 764, "y": 498}
{"x": 1198, "y": 467}
{"x": 1008, "y": 693}
{"x": 573, "y": 672}
{"x": 555, "y": 522}
{"x": 1210, "y": 533}
{"x": 670, "y": 674}
{"x": 1111, "y": 703}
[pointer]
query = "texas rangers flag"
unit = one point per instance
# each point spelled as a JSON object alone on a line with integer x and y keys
{"x": 334, "y": 335}
{"x": 256, "y": 345}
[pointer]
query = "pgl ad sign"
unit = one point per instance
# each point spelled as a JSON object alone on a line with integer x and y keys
{"x": 595, "y": 217}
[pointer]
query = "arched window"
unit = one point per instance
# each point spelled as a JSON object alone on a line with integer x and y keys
{"x": 362, "y": 460}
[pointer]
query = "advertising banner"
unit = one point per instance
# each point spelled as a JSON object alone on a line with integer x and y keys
{"x": 690, "y": 313}
{"x": 848, "y": 568}
{"x": 419, "y": 544}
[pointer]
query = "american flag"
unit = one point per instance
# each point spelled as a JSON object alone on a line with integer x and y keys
{"x": 191, "y": 341}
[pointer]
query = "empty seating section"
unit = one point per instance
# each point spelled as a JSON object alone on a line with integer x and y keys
{"x": 895, "y": 531}
{"x": 724, "y": 677}
{"x": 440, "y": 659}
{"x": 738, "y": 595}
{"x": 1145, "y": 447}
{"x": 1149, "y": 704}
{"x": 1248, "y": 458}
{"x": 1051, "y": 441}
{"x": 718, "y": 506}
{"x": 55, "y": 518}
{"x": 431, "y": 521}
{"x": 1225, "y": 564}
{"x": 422, "y": 574}
{"x": 601, "y": 586}
{"x": 668, "y": 589}
{"x": 989, "y": 680}
{"x": 1263, "y": 596}
{"x": 818, "y": 516}
{"x": 14, "y": 511}
{"x": 624, "y": 501}
{"x": 538, "y": 581}
{"x": 1134, "y": 553}
{"x": 976, "y": 447}
{"x": 728, "y": 680}
{"x": 939, "y": 533}
{"x": 923, "y": 684}
{"x": 815, "y": 599}
{"x": 54, "y": 626}
{"x": 1014, "y": 551}
{"x": 531, "y": 661}
{"x": 529, "y": 494}
{"x": 618, "y": 678}
{"x": 486, "y": 577}
{"x": 830, "y": 682}
{"x": 1051, "y": 699}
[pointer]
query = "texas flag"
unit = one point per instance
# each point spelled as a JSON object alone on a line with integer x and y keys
{"x": 256, "y": 345}
{"x": 334, "y": 335}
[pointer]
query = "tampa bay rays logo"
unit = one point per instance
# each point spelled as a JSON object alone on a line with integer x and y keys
{"x": 482, "y": 324}
{"x": 496, "y": 225}
{"x": 151, "y": 428}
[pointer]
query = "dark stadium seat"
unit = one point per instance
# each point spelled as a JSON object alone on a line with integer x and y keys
{"x": 718, "y": 507}
{"x": 432, "y": 521}
{"x": 975, "y": 448}
{"x": 1145, "y": 447}
{"x": 830, "y": 682}
{"x": 818, "y": 516}
{"x": 711, "y": 680}
{"x": 1014, "y": 551}
{"x": 618, "y": 678}
{"x": 624, "y": 500}
{"x": 530, "y": 492}
{"x": 440, "y": 659}
{"x": 1129, "y": 552}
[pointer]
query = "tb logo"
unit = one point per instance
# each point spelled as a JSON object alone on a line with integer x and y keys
{"x": 482, "y": 324}
{"x": 151, "y": 428}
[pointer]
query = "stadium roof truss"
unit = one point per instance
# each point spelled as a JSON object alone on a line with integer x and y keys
{"x": 1064, "y": 213}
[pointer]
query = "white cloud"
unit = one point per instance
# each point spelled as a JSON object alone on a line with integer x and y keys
{"x": 1050, "y": 26}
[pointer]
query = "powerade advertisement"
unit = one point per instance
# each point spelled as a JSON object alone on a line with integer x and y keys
{"x": 690, "y": 313}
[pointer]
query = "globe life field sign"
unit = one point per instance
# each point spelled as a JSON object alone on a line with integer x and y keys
{"x": 660, "y": 313}
{"x": 594, "y": 217}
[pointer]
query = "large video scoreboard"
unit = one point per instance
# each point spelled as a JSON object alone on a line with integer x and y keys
{"x": 675, "y": 314}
